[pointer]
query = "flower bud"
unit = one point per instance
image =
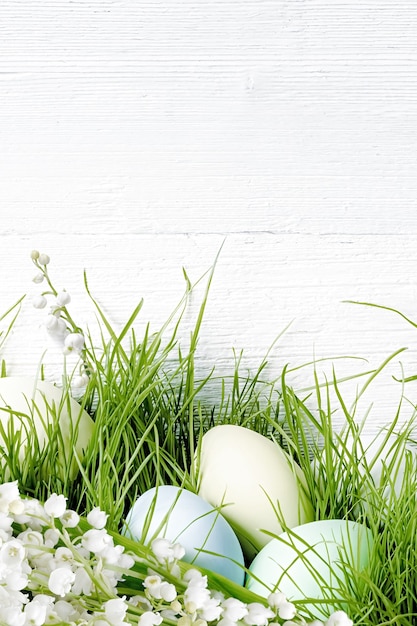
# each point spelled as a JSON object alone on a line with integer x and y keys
{"x": 51, "y": 323}
{"x": 39, "y": 302}
{"x": 63, "y": 298}
{"x": 56, "y": 327}
{"x": 34, "y": 255}
{"x": 78, "y": 382}
{"x": 43, "y": 259}
{"x": 38, "y": 279}
{"x": 176, "y": 606}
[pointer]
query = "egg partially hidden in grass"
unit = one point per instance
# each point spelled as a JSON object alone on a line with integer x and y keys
{"x": 255, "y": 482}
{"x": 319, "y": 561}
{"x": 183, "y": 517}
{"x": 36, "y": 413}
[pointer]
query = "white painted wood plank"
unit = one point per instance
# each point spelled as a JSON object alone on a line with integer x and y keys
{"x": 136, "y": 136}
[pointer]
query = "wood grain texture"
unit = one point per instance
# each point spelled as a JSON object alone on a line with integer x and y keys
{"x": 137, "y": 137}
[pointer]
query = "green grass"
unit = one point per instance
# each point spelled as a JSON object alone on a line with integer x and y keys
{"x": 150, "y": 410}
{"x": 340, "y": 483}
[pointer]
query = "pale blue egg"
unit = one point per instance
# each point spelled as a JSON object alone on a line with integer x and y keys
{"x": 315, "y": 560}
{"x": 182, "y": 516}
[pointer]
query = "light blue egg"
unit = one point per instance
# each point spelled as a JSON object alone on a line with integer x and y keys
{"x": 315, "y": 560}
{"x": 182, "y": 516}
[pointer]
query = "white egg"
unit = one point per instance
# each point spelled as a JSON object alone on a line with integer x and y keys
{"x": 183, "y": 517}
{"x": 306, "y": 563}
{"x": 255, "y": 482}
{"x": 29, "y": 405}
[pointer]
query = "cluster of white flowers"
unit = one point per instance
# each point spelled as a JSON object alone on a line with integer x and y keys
{"x": 197, "y": 605}
{"x": 58, "y": 323}
{"x": 49, "y": 575}
{"x": 54, "y": 571}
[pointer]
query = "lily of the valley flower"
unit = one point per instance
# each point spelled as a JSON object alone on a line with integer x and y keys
{"x": 39, "y": 302}
{"x": 38, "y": 278}
{"x": 10, "y": 498}
{"x": 258, "y": 614}
{"x": 234, "y": 609}
{"x": 63, "y": 298}
{"x": 339, "y": 618}
{"x": 167, "y": 552}
{"x": 70, "y": 519}
{"x": 74, "y": 342}
{"x": 97, "y": 518}
{"x": 149, "y": 618}
{"x": 55, "y": 325}
{"x": 55, "y": 505}
{"x": 96, "y": 540}
{"x": 60, "y": 581}
{"x": 80, "y": 381}
{"x": 115, "y": 610}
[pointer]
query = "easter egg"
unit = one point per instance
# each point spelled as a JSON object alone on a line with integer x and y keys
{"x": 32, "y": 408}
{"x": 313, "y": 561}
{"x": 183, "y": 517}
{"x": 254, "y": 481}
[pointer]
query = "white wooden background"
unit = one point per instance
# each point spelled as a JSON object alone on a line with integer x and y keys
{"x": 137, "y": 136}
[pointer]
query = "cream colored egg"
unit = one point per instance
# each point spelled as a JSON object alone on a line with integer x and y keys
{"x": 256, "y": 483}
{"x": 30, "y": 407}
